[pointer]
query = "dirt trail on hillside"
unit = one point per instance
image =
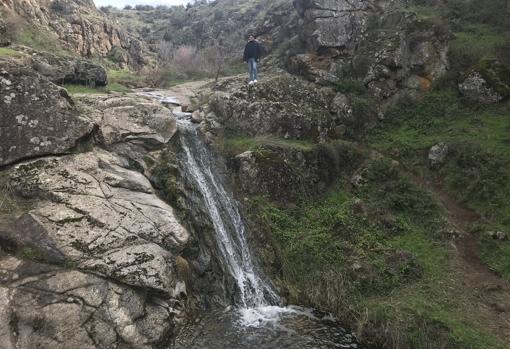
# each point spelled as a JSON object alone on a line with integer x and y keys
{"x": 492, "y": 291}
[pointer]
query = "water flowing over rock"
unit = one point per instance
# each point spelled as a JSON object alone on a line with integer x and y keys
{"x": 227, "y": 221}
{"x": 38, "y": 117}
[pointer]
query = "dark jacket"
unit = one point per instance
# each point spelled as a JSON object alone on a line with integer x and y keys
{"x": 252, "y": 50}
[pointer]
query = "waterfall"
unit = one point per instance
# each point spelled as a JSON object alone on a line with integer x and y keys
{"x": 257, "y": 322}
{"x": 230, "y": 231}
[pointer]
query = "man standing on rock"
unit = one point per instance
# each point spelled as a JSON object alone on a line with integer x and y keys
{"x": 252, "y": 53}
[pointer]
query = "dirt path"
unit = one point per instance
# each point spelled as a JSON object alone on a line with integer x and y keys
{"x": 492, "y": 292}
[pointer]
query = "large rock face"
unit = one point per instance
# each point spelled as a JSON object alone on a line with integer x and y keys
{"x": 79, "y": 27}
{"x": 384, "y": 45}
{"x": 282, "y": 106}
{"x": 97, "y": 248}
{"x": 331, "y": 23}
{"x": 103, "y": 217}
{"x": 289, "y": 108}
{"x": 37, "y": 117}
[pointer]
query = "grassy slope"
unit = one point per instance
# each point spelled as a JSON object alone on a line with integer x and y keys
{"x": 477, "y": 170}
{"x": 336, "y": 253}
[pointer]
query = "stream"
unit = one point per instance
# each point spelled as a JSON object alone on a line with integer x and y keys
{"x": 258, "y": 319}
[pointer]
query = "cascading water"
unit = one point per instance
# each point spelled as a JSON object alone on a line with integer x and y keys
{"x": 257, "y": 322}
{"x": 226, "y": 218}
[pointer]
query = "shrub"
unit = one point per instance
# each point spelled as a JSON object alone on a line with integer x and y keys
{"x": 106, "y": 9}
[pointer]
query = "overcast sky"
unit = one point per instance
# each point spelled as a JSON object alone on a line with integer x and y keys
{"x": 122, "y": 3}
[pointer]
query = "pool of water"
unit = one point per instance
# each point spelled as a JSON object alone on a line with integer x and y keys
{"x": 264, "y": 328}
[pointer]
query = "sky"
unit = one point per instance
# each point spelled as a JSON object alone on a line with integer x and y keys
{"x": 122, "y": 3}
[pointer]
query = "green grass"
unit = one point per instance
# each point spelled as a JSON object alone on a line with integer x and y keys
{"x": 75, "y": 89}
{"x": 117, "y": 87}
{"x": 320, "y": 241}
{"x": 477, "y": 171}
{"x": 40, "y": 40}
{"x": 496, "y": 254}
{"x": 239, "y": 144}
{"x": 7, "y": 204}
{"x": 7, "y": 52}
{"x": 122, "y": 76}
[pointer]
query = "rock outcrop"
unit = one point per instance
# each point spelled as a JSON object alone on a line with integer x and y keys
{"x": 288, "y": 172}
{"x": 290, "y": 108}
{"x": 487, "y": 83}
{"x": 338, "y": 24}
{"x": 95, "y": 246}
{"x": 38, "y": 117}
{"x": 270, "y": 110}
{"x": 79, "y": 28}
{"x": 384, "y": 46}
{"x": 67, "y": 70}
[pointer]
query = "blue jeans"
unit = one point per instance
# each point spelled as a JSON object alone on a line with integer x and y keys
{"x": 252, "y": 65}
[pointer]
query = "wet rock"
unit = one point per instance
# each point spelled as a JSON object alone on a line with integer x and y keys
{"x": 487, "y": 83}
{"x": 38, "y": 117}
{"x": 437, "y": 155}
{"x": 60, "y": 309}
{"x": 197, "y": 116}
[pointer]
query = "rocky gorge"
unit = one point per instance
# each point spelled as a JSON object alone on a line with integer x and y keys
{"x": 356, "y": 197}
